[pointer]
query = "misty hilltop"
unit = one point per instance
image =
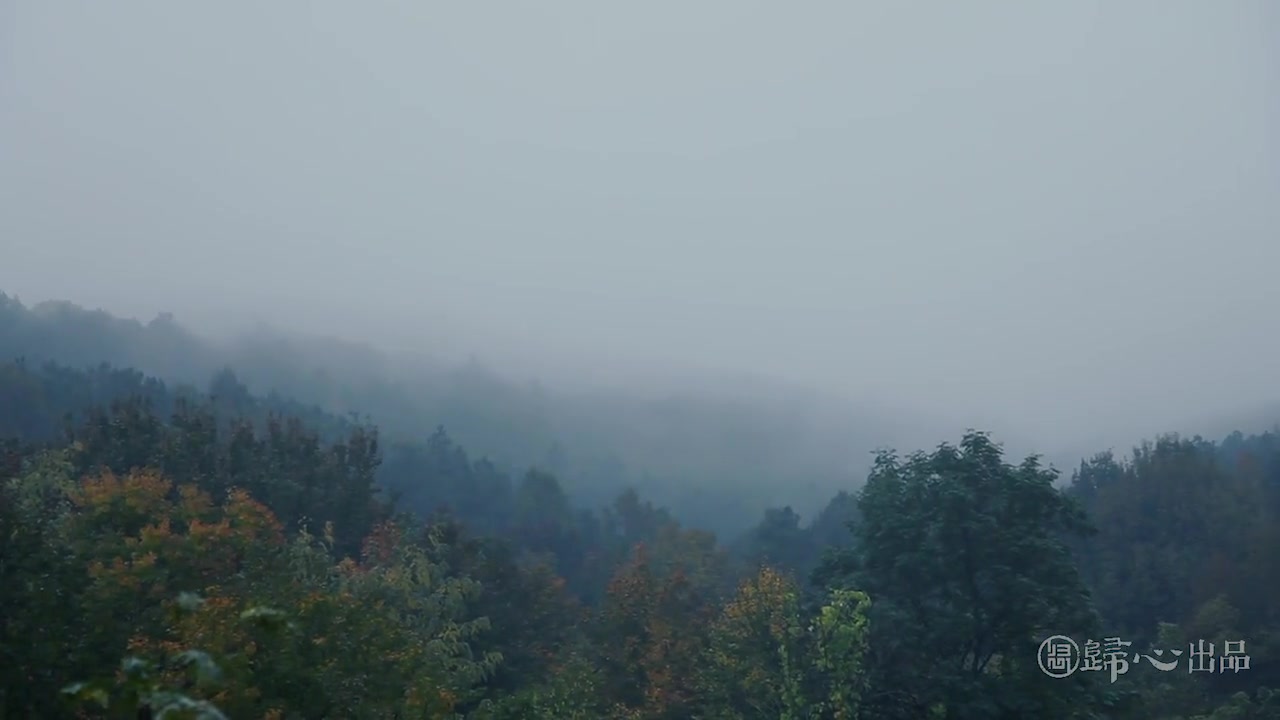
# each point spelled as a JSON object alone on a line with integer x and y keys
{"x": 717, "y": 447}
{"x": 694, "y": 441}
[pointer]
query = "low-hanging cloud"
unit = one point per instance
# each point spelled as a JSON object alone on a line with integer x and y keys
{"x": 1058, "y": 219}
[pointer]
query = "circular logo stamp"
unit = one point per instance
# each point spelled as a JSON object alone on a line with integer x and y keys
{"x": 1059, "y": 656}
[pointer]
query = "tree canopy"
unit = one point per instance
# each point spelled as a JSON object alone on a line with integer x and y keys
{"x": 166, "y": 550}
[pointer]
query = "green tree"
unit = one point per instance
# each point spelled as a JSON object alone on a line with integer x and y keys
{"x": 756, "y": 657}
{"x": 964, "y": 559}
{"x": 41, "y": 581}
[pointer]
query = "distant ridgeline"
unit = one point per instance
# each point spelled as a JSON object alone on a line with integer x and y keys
{"x": 718, "y": 465}
{"x": 121, "y": 419}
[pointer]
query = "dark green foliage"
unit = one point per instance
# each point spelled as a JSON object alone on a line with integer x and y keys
{"x": 1187, "y": 533}
{"x": 963, "y": 556}
{"x": 341, "y": 576}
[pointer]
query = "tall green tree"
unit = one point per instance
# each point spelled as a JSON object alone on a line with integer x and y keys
{"x": 963, "y": 556}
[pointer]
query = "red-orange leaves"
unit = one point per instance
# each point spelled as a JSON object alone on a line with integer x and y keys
{"x": 656, "y": 627}
{"x": 379, "y": 548}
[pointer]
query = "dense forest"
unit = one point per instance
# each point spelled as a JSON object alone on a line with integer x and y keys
{"x": 716, "y": 451}
{"x": 175, "y": 544}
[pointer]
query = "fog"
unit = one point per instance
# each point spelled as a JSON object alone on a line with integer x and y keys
{"x": 1055, "y": 220}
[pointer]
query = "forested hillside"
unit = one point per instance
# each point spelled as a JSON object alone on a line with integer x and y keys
{"x": 201, "y": 549}
{"x": 114, "y": 506}
{"x": 720, "y": 455}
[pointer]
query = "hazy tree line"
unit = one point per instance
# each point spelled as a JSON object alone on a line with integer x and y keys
{"x": 715, "y": 456}
{"x": 209, "y": 551}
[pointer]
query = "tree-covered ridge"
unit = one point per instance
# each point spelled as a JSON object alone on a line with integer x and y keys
{"x": 300, "y": 460}
{"x": 223, "y": 552}
{"x": 713, "y": 456}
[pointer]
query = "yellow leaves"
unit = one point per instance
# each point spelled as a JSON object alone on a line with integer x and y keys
{"x": 142, "y": 491}
{"x": 145, "y": 541}
{"x": 152, "y": 535}
{"x": 214, "y": 547}
{"x": 767, "y": 600}
{"x": 141, "y": 530}
{"x": 252, "y": 519}
{"x": 756, "y": 642}
{"x": 193, "y": 501}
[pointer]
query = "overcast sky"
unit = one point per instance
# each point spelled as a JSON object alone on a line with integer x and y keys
{"x": 1056, "y": 217}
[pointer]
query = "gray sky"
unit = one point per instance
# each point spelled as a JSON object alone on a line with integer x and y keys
{"x": 1056, "y": 218}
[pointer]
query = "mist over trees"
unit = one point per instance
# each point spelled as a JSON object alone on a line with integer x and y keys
{"x": 717, "y": 454}
{"x": 639, "y": 361}
{"x": 176, "y": 540}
